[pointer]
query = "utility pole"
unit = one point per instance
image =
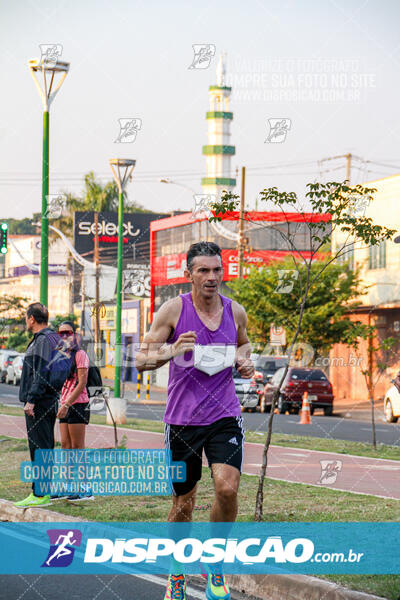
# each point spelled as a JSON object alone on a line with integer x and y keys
{"x": 348, "y": 158}
{"x": 70, "y": 269}
{"x": 97, "y": 275}
{"x": 348, "y": 168}
{"x": 241, "y": 226}
{"x": 83, "y": 307}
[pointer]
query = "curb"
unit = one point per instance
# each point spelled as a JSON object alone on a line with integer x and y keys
{"x": 293, "y": 587}
{"x": 131, "y": 401}
{"x": 9, "y": 512}
{"x": 263, "y": 587}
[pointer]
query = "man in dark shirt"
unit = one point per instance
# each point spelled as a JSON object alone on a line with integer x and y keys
{"x": 39, "y": 397}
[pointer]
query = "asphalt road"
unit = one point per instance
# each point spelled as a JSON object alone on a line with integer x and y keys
{"x": 94, "y": 587}
{"x": 323, "y": 427}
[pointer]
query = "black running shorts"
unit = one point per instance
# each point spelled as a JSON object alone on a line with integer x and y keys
{"x": 77, "y": 413}
{"x": 222, "y": 442}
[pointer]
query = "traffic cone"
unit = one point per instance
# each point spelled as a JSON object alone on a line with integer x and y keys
{"x": 305, "y": 418}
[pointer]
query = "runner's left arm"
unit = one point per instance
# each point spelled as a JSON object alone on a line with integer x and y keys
{"x": 244, "y": 364}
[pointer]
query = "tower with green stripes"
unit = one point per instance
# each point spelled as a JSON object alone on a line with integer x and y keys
{"x": 218, "y": 151}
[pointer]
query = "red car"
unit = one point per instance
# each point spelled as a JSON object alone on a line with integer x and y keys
{"x": 298, "y": 381}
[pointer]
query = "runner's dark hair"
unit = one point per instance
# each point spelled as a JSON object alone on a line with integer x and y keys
{"x": 201, "y": 249}
{"x": 39, "y": 312}
{"x": 70, "y": 323}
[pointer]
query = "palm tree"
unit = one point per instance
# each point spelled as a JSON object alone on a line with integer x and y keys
{"x": 96, "y": 197}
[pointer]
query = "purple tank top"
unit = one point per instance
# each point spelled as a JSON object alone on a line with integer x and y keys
{"x": 194, "y": 397}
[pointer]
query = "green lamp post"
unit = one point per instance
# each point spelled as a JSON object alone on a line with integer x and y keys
{"x": 122, "y": 170}
{"x": 48, "y": 72}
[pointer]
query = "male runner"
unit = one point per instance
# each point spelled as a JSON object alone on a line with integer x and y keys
{"x": 201, "y": 329}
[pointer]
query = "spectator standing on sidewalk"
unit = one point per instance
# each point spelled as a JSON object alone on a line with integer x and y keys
{"x": 74, "y": 411}
{"x": 40, "y": 398}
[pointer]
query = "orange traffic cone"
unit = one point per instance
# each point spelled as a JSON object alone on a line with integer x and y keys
{"x": 305, "y": 418}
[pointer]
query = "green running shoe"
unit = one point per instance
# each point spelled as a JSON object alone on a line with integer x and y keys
{"x": 176, "y": 588}
{"x": 217, "y": 588}
{"x": 33, "y": 501}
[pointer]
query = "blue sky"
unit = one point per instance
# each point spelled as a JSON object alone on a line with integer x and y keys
{"x": 131, "y": 59}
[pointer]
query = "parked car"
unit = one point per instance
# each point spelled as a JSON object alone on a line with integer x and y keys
{"x": 268, "y": 365}
{"x": 296, "y": 382}
{"x": 391, "y": 405}
{"x": 14, "y": 370}
{"x": 248, "y": 391}
{"x": 6, "y": 358}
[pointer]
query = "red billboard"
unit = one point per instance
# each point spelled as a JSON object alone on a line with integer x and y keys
{"x": 170, "y": 269}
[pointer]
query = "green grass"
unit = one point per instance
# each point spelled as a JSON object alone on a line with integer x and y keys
{"x": 278, "y": 439}
{"x": 327, "y": 445}
{"x": 301, "y": 503}
{"x": 387, "y": 586}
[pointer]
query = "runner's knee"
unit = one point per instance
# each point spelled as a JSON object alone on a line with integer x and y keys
{"x": 225, "y": 491}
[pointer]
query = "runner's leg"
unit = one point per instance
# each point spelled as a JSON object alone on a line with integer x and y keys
{"x": 226, "y": 484}
{"x": 182, "y": 507}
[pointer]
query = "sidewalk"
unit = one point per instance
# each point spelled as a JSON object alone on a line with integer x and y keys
{"x": 356, "y": 474}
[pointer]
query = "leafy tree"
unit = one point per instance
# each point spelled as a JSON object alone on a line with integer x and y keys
{"x": 20, "y": 226}
{"x": 342, "y": 203}
{"x": 95, "y": 196}
{"x": 19, "y": 340}
{"x": 12, "y": 310}
{"x": 58, "y": 319}
{"x": 273, "y": 295}
{"x": 12, "y": 316}
{"x": 382, "y": 354}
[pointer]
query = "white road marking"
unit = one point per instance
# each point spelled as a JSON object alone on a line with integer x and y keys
{"x": 295, "y": 454}
{"x": 383, "y": 467}
{"x": 377, "y": 429}
{"x": 191, "y": 592}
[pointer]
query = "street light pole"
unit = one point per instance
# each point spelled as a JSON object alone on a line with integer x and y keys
{"x": 44, "y": 245}
{"x": 48, "y": 70}
{"x": 241, "y": 226}
{"x": 121, "y": 179}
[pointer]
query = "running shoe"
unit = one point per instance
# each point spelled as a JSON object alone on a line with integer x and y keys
{"x": 176, "y": 588}
{"x": 217, "y": 588}
{"x": 33, "y": 501}
{"x": 79, "y": 497}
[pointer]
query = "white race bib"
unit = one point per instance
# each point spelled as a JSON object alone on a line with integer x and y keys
{"x": 213, "y": 358}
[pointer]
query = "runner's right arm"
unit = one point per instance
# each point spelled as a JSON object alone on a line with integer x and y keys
{"x": 154, "y": 352}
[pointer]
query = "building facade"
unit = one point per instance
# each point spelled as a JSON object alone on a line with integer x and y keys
{"x": 21, "y": 275}
{"x": 379, "y": 268}
{"x": 266, "y": 232}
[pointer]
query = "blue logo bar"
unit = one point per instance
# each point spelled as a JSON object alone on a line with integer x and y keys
{"x": 249, "y": 548}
